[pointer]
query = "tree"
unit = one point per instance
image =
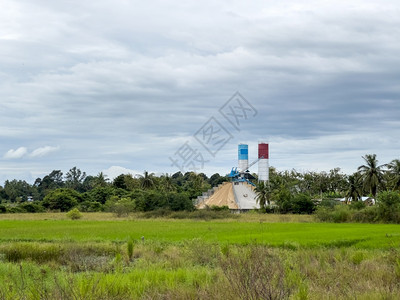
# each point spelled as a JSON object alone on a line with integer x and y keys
{"x": 62, "y": 199}
{"x": 394, "y": 173}
{"x": 262, "y": 190}
{"x": 302, "y": 204}
{"x": 74, "y": 178}
{"x": 18, "y": 190}
{"x": 49, "y": 182}
{"x": 354, "y": 187}
{"x": 371, "y": 173}
{"x": 167, "y": 183}
{"x": 147, "y": 180}
{"x": 101, "y": 180}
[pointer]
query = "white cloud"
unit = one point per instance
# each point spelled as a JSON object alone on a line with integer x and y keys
{"x": 14, "y": 154}
{"x": 115, "y": 171}
{"x": 42, "y": 151}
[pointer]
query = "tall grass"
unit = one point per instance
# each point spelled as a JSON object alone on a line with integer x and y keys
{"x": 194, "y": 269}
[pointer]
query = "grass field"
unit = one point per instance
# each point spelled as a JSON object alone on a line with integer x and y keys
{"x": 228, "y": 231}
{"x": 46, "y": 256}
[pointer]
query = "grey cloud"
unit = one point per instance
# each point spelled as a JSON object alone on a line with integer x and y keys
{"x": 126, "y": 83}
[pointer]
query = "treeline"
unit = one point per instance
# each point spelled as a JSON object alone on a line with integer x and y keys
{"x": 59, "y": 192}
{"x": 286, "y": 191}
{"x": 295, "y": 192}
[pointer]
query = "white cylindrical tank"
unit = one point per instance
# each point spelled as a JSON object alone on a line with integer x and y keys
{"x": 263, "y": 163}
{"x": 243, "y": 157}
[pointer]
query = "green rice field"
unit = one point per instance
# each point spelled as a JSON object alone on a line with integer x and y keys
{"x": 47, "y": 256}
{"x": 376, "y": 236}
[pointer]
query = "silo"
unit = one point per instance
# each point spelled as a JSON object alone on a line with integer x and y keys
{"x": 263, "y": 163}
{"x": 243, "y": 157}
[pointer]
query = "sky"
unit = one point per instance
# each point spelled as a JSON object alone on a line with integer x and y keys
{"x": 126, "y": 86}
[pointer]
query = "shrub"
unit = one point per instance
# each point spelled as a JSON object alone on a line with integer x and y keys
{"x": 88, "y": 206}
{"x": 219, "y": 208}
{"x": 366, "y": 215}
{"x": 389, "y": 206}
{"x": 123, "y": 207}
{"x": 339, "y": 214}
{"x": 62, "y": 199}
{"x": 3, "y": 209}
{"x": 357, "y": 205}
{"x": 180, "y": 201}
{"x": 15, "y": 210}
{"x": 74, "y": 214}
{"x": 32, "y": 207}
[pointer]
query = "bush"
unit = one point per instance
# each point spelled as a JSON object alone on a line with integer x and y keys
{"x": 123, "y": 207}
{"x": 88, "y": 206}
{"x": 74, "y": 214}
{"x": 339, "y": 214}
{"x": 389, "y": 207}
{"x": 302, "y": 204}
{"x": 329, "y": 203}
{"x": 3, "y": 209}
{"x": 218, "y": 208}
{"x": 62, "y": 199}
{"x": 15, "y": 210}
{"x": 357, "y": 205}
{"x": 180, "y": 201}
{"x": 366, "y": 215}
{"x": 32, "y": 207}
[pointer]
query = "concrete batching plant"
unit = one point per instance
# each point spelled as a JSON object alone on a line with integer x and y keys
{"x": 239, "y": 194}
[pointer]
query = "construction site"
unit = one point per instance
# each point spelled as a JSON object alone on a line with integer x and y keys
{"x": 239, "y": 194}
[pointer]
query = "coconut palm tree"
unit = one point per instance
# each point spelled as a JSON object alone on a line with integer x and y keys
{"x": 354, "y": 188}
{"x": 394, "y": 173}
{"x": 101, "y": 180}
{"x": 147, "y": 180}
{"x": 167, "y": 183}
{"x": 262, "y": 191}
{"x": 371, "y": 173}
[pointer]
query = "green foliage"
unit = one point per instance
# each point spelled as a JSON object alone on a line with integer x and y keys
{"x": 389, "y": 206}
{"x": 74, "y": 179}
{"x": 74, "y": 214}
{"x": 357, "y": 205}
{"x": 339, "y": 214}
{"x": 130, "y": 248}
{"x": 328, "y": 203}
{"x": 371, "y": 173}
{"x": 89, "y": 206}
{"x": 302, "y": 204}
{"x": 32, "y": 207}
{"x": 61, "y": 199}
{"x": 3, "y": 209}
{"x": 122, "y": 207}
{"x": 180, "y": 201}
{"x": 219, "y": 208}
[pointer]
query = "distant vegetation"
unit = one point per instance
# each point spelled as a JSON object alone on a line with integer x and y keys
{"x": 288, "y": 191}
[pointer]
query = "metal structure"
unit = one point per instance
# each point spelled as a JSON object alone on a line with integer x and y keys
{"x": 241, "y": 173}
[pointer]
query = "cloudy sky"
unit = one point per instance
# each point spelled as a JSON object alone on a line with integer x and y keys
{"x": 112, "y": 85}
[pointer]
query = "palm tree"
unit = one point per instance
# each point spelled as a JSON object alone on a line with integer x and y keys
{"x": 147, "y": 181}
{"x": 355, "y": 188}
{"x": 371, "y": 173}
{"x": 101, "y": 180}
{"x": 167, "y": 183}
{"x": 394, "y": 172}
{"x": 262, "y": 190}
